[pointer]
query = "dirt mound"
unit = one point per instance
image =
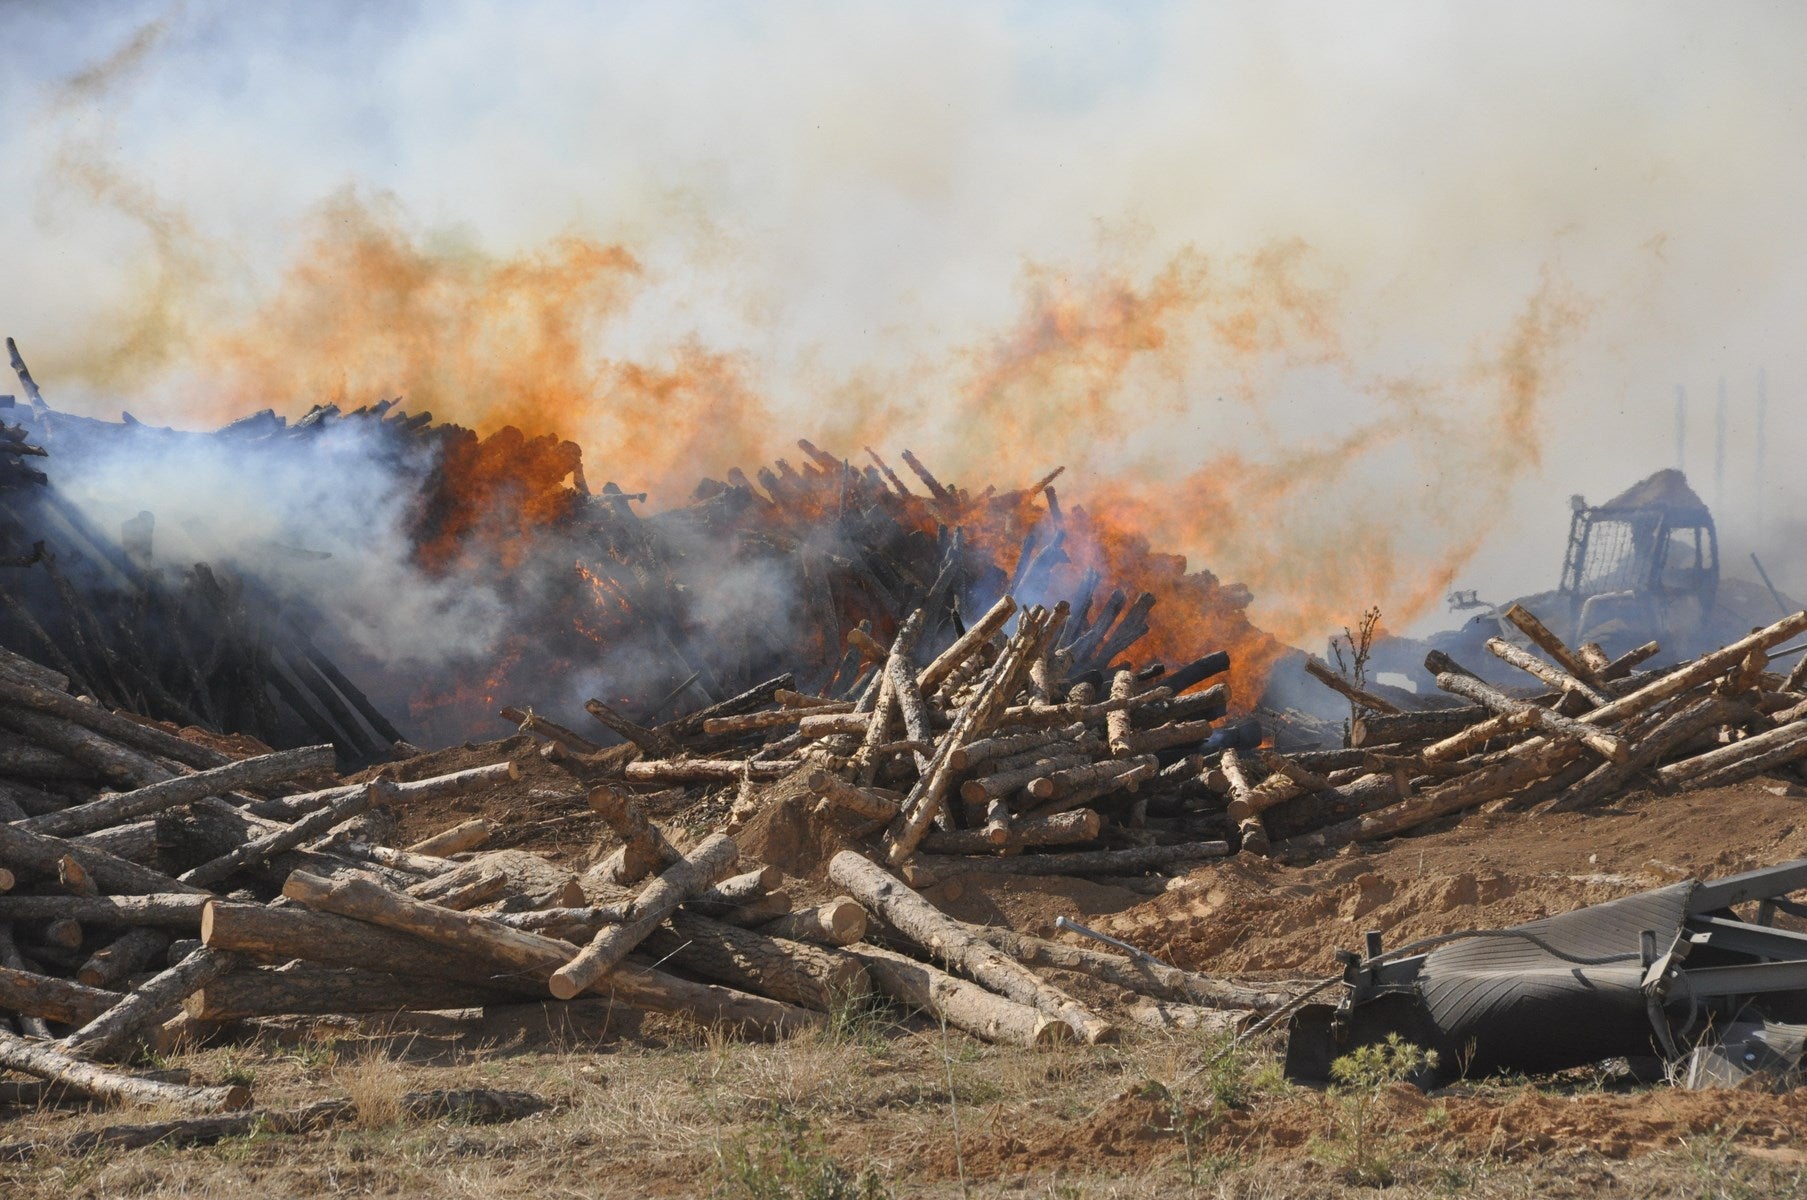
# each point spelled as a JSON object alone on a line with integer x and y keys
{"x": 543, "y": 811}
{"x": 1252, "y": 915}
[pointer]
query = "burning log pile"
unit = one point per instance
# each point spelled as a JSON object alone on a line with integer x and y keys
{"x": 208, "y": 645}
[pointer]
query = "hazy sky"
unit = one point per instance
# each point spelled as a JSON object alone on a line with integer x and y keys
{"x": 1439, "y": 265}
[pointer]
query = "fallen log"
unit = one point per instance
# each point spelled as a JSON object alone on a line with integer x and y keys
{"x": 1141, "y": 975}
{"x": 1738, "y": 760}
{"x": 1607, "y": 745}
{"x": 1550, "y": 644}
{"x": 941, "y": 935}
{"x": 755, "y": 961}
{"x": 1608, "y": 779}
{"x": 1081, "y": 825}
{"x": 961, "y": 1004}
{"x": 466, "y": 835}
{"x": 710, "y": 861}
{"x": 438, "y": 787}
{"x": 135, "y": 735}
{"x": 302, "y": 989}
{"x": 40, "y": 853}
{"x": 483, "y": 951}
{"x": 121, "y": 807}
{"x": 707, "y": 770}
{"x": 314, "y": 825}
{"x": 125, "y": 955}
{"x": 109, "y": 759}
{"x": 1542, "y": 671}
{"x": 52, "y": 999}
{"x": 148, "y": 1002}
{"x": 838, "y": 922}
{"x": 45, "y": 1062}
{"x": 1343, "y": 687}
{"x": 643, "y": 848}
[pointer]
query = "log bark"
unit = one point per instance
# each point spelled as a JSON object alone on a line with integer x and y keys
{"x": 1141, "y": 975}
{"x": 1338, "y": 684}
{"x": 1538, "y": 669}
{"x": 541, "y": 884}
{"x": 303, "y": 990}
{"x": 135, "y": 735}
{"x": 484, "y": 950}
{"x": 315, "y": 825}
{"x": 85, "y": 1078}
{"x": 710, "y": 861}
{"x": 530, "y": 722}
{"x": 1738, "y": 760}
{"x": 931, "y": 677}
{"x": 839, "y": 922}
{"x": 125, "y": 955}
{"x": 184, "y": 789}
{"x": 961, "y": 1004}
{"x": 438, "y": 787}
{"x": 52, "y": 999}
{"x": 1004, "y": 680}
{"x": 1551, "y": 645}
{"x": 1082, "y": 863}
{"x": 837, "y": 792}
{"x": 651, "y": 742}
{"x": 1005, "y": 745}
{"x": 1068, "y": 828}
{"x": 39, "y": 853}
{"x": 643, "y": 848}
{"x": 707, "y": 770}
{"x": 1003, "y": 783}
{"x": 955, "y": 943}
{"x": 1606, "y": 745}
{"x": 1062, "y": 783}
{"x": 1381, "y": 729}
{"x": 1132, "y": 776}
{"x": 1117, "y": 724}
{"x": 107, "y": 758}
{"x": 755, "y": 961}
{"x": 1251, "y": 831}
{"x": 1678, "y": 729}
{"x": 148, "y": 1002}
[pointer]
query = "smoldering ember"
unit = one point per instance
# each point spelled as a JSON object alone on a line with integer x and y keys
{"x": 849, "y": 602}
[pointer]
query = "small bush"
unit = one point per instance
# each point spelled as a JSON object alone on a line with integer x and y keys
{"x": 1357, "y": 1146}
{"x": 788, "y": 1161}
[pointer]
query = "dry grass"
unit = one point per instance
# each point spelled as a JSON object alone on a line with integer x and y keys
{"x": 863, "y": 1106}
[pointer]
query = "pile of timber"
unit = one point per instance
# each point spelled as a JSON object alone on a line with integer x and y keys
{"x": 1585, "y": 729}
{"x": 1004, "y": 751}
{"x": 846, "y": 544}
{"x": 203, "y": 890}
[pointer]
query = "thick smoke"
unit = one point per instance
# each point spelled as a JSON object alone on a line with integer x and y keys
{"x": 1343, "y": 301}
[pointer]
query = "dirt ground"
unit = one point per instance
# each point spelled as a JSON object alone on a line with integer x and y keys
{"x": 881, "y": 1104}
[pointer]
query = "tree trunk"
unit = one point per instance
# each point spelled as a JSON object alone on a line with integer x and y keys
{"x": 1140, "y": 975}
{"x": 465, "y": 836}
{"x": 184, "y": 789}
{"x": 839, "y": 922}
{"x": 711, "y": 860}
{"x": 179, "y": 911}
{"x": 148, "y": 1002}
{"x": 52, "y": 999}
{"x": 757, "y": 962}
{"x": 39, "y": 853}
{"x": 954, "y": 942}
{"x": 961, "y": 1004}
{"x": 89, "y": 1080}
{"x": 1081, "y": 825}
{"x": 307, "y": 990}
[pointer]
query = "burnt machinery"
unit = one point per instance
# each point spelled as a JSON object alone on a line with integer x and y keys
{"x": 1673, "y": 974}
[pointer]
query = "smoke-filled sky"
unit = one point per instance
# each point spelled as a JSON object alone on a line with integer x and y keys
{"x": 1342, "y": 300}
